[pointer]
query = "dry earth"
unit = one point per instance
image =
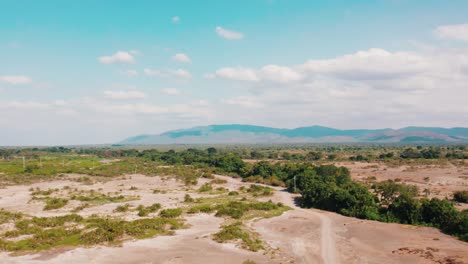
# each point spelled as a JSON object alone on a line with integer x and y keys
{"x": 297, "y": 236}
{"x": 440, "y": 180}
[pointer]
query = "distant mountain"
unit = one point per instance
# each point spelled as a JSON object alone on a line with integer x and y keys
{"x": 235, "y": 133}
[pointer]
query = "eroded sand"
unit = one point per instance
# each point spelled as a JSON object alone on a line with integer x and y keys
{"x": 297, "y": 236}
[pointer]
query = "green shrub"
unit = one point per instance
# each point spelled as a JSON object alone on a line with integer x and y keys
{"x": 55, "y": 203}
{"x": 234, "y": 232}
{"x": 188, "y": 198}
{"x": 122, "y": 208}
{"x": 461, "y": 196}
{"x": 205, "y": 188}
{"x": 203, "y": 208}
{"x": 144, "y": 211}
{"x": 171, "y": 213}
{"x": 6, "y": 216}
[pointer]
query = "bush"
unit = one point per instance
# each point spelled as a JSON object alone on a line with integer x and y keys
{"x": 122, "y": 208}
{"x": 171, "y": 213}
{"x": 144, "y": 211}
{"x": 188, "y": 198}
{"x": 205, "y": 188}
{"x": 461, "y": 196}
{"x": 203, "y": 208}
{"x": 234, "y": 232}
{"x": 55, "y": 203}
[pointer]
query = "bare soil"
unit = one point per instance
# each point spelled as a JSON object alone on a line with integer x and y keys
{"x": 297, "y": 236}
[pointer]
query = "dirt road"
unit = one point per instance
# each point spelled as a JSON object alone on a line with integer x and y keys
{"x": 327, "y": 240}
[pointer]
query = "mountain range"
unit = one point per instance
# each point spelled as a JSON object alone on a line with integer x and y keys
{"x": 250, "y": 134}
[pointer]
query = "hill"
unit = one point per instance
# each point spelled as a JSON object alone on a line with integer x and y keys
{"x": 249, "y": 134}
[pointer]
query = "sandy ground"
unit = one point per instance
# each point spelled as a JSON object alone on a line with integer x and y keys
{"x": 441, "y": 181}
{"x": 297, "y": 236}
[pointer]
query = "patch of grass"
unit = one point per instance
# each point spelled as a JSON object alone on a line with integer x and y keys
{"x": 232, "y": 193}
{"x": 238, "y": 209}
{"x": 188, "y": 199}
{"x": 205, "y": 188}
{"x": 202, "y": 208}
{"x": 122, "y": 208}
{"x": 171, "y": 213}
{"x": 54, "y": 203}
{"x": 80, "y": 207}
{"x": 237, "y": 231}
{"x": 44, "y": 192}
{"x": 6, "y": 216}
{"x": 258, "y": 190}
{"x": 96, "y": 198}
{"x": 74, "y": 230}
{"x": 461, "y": 196}
{"x": 145, "y": 210}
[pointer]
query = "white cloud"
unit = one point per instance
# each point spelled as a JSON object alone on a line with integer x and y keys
{"x": 239, "y": 73}
{"x": 279, "y": 73}
{"x": 151, "y": 72}
{"x": 457, "y": 32}
{"x": 118, "y": 57}
{"x": 274, "y": 73}
{"x": 369, "y": 65}
{"x": 23, "y": 105}
{"x": 180, "y": 73}
{"x": 228, "y": 34}
{"x": 181, "y": 57}
{"x": 175, "y": 19}
{"x": 370, "y": 88}
{"x": 170, "y": 91}
{"x": 124, "y": 95}
{"x": 130, "y": 73}
{"x": 15, "y": 79}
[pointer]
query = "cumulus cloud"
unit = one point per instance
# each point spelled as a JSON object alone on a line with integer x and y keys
{"x": 15, "y": 79}
{"x": 238, "y": 73}
{"x": 228, "y": 34}
{"x": 170, "y": 91}
{"x": 175, "y": 19}
{"x": 23, "y": 105}
{"x": 369, "y": 64}
{"x": 279, "y": 73}
{"x": 118, "y": 57}
{"x": 368, "y": 88}
{"x": 457, "y": 32}
{"x": 181, "y": 57}
{"x": 274, "y": 73}
{"x": 124, "y": 95}
{"x": 179, "y": 73}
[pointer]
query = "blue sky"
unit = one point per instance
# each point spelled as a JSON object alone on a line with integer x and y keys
{"x": 84, "y": 72}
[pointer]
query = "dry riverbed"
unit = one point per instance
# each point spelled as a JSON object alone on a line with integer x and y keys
{"x": 296, "y": 236}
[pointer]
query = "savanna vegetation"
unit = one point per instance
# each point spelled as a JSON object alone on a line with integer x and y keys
{"x": 304, "y": 169}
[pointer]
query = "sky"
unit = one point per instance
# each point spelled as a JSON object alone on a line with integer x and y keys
{"x": 95, "y": 72}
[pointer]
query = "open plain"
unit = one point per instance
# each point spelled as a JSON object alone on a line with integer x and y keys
{"x": 292, "y": 236}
